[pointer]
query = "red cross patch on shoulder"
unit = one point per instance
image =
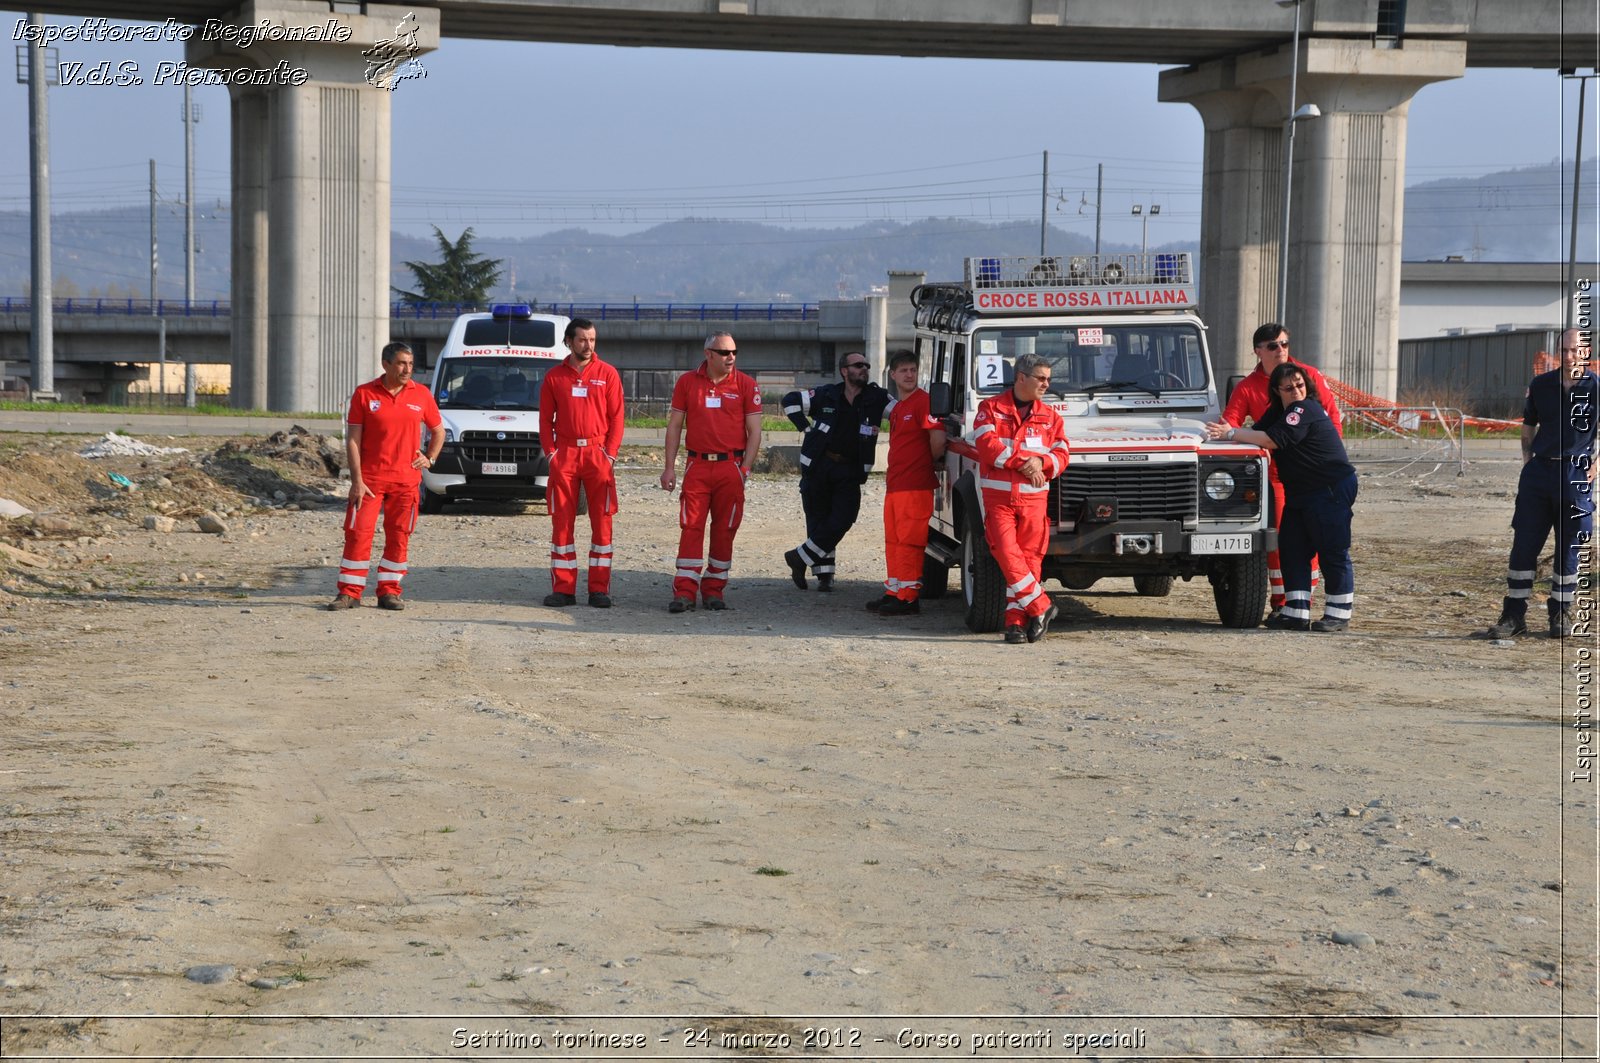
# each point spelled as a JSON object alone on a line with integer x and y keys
{"x": 1293, "y": 418}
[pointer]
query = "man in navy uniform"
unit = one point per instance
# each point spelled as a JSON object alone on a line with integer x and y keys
{"x": 1555, "y": 490}
{"x": 840, "y": 422}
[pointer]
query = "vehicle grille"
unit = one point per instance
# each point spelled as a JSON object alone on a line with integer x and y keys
{"x": 1142, "y": 491}
{"x": 484, "y": 446}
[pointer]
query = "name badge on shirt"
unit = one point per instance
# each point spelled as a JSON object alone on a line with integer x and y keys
{"x": 1033, "y": 442}
{"x": 713, "y": 402}
{"x": 869, "y": 429}
{"x": 580, "y": 393}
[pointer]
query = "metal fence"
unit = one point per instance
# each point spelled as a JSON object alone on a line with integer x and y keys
{"x": 1405, "y": 437}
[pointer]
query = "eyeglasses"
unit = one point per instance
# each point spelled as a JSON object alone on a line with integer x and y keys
{"x": 855, "y": 365}
{"x": 1299, "y": 385}
{"x": 1275, "y": 345}
{"x": 729, "y": 353}
{"x": 1040, "y": 379}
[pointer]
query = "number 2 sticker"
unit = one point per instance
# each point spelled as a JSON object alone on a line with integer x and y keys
{"x": 991, "y": 370}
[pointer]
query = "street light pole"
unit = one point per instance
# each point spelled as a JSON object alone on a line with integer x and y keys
{"x": 1577, "y": 170}
{"x": 1144, "y": 226}
{"x": 1288, "y": 160}
{"x": 39, "y": 73}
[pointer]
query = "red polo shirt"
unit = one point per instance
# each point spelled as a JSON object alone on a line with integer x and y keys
{"x": 577, "y": 405}
{"x": 714, "y": 413}
{"x": 910, "y": 453}
{"x": 391, "y": 429}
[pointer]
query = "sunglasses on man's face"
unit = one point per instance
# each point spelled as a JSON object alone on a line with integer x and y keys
{"x": 1275, "y": 345}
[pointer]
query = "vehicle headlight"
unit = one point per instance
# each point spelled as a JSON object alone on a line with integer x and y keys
{"x": 1219, "y": 485}
{"x": 449, "y": 435}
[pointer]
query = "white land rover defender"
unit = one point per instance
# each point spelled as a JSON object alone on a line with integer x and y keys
{"x": 486, "y": 383}
{"x": 1144, "y": 495}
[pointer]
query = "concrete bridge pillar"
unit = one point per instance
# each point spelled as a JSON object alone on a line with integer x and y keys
{"x": 311, "y": 181}
{"x": 1348, "y": 189}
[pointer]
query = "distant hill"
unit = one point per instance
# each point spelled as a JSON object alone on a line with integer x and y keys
{"x": 1512, "y": 216}
{"x": 724, "y": 261}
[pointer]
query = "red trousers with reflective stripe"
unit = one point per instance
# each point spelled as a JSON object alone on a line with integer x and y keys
{"x": 398, "y": 504}
{"x": 570, "y": 468}
{"x": 713, "y": 493}
{"x": 905, "y": 536}
{"x": 1018, "y": 533}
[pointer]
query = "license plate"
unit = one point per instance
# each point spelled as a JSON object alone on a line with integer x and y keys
{"x": 1220, "y": 544}
{"x": 499, "y": 468}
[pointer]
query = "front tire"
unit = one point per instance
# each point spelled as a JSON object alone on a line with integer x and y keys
{"x": 430, "y": 503}
{"x": 982, "y": 583}
{"x": 1239, "y": 585}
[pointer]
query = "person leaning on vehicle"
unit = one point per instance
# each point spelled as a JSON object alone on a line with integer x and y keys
{"x": 580, "y": 427}
{"x": 1022, "y": 446}
{"x": 916, "y": 442}
{"x": 721, "y": 409}
{"x": 383, "y": 444}
{"x": 1555, "y": 489}
{"x": 840, "y": 422}
{"x": 1319, "y": 489}
{"x": 1249, "y": 403}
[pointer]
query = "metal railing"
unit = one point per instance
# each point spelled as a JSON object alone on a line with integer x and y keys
{"x": 14, "y": 304}
{"x": 1405, "y": 436}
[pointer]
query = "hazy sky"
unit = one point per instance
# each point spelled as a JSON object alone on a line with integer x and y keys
{"x": 518, "y": 138}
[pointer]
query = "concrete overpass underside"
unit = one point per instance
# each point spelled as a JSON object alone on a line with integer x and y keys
{"x": 311, "y": 164}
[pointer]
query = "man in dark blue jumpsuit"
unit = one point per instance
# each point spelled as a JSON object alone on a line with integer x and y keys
{"x": 840, "y": 422}
{"x": 1556, "y": 489}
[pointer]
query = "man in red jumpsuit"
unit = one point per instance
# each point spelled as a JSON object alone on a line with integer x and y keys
{"x": 1022, "y": 446}
{"x": 722, "y": 410}
{"x": 1249, "y": 403}
{"x": 916, "y": 442}
{"x": 580, "y": 427}
{"x": 383, "y": 444}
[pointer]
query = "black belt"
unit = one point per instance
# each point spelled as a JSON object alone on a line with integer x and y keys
{"x": 727, "y": 455}
{"x": 834, "y": 455}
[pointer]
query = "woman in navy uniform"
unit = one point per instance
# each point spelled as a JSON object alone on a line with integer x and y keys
{"x": 1319, "y": 489}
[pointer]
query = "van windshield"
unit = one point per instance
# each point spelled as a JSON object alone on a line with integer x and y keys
{"x": 509, "y": 332}
{"x": 489, "y": 383}
{"x": 1156, "y": 357}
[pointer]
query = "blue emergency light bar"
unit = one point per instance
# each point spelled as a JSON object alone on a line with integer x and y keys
{"x": 506, "y": 311}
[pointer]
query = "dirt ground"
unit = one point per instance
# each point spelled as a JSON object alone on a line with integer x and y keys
{"x": 482, "y": 828}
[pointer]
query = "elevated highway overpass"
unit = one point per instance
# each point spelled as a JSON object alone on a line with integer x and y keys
{"x": 311, "y": 176}
{"x": 99, "y": 343}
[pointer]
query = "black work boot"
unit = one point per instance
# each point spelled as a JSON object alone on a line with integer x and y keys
{"x": 1512, "y": 622}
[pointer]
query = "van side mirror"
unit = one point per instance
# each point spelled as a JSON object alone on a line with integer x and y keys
{"x": 1233, "y": 382}
{"x": 939, "y": 399}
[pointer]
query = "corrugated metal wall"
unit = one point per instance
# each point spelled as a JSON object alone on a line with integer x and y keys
{"x": 1486, "y": 374}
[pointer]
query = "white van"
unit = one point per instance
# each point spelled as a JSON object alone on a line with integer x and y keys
{"x": 486, "y": 382}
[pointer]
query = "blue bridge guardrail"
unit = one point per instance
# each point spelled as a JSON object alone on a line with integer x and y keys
{"x": 429, "y": 311}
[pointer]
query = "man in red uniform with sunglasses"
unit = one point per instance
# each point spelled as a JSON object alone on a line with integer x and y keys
{"x": 1249, "y": 403}
{"x": 721, "y": 408}
{"x": 1022, "y": 446}
{"x": 383, "y": 444}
